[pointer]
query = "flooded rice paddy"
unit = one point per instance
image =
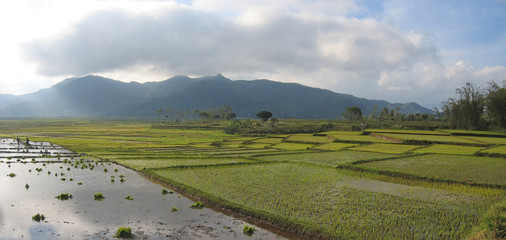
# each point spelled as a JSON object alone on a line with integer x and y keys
{"x": 42, "y": 171}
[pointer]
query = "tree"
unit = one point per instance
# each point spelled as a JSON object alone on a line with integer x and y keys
{"x": 264, "y": 115}
{"x": 353, "y": 113}
{"x": 466, "y": 110}
{"x": 496, "y": 104}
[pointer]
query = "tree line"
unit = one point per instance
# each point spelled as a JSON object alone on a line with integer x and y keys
{"x": 473, "y": 109}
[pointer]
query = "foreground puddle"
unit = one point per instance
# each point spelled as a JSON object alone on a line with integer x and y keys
{"x": 44, "y": 171}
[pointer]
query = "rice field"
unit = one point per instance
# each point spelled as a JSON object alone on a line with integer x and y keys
{"x": 325, "y": 158}
{"x": 449, "y": 149}
{"x": 496, "y": 150}
{"x": 386, "y": 148}
{"x": 338, "y": 203}
{"x": 462, "y": 168}
{"x": 295, "y": 181}
{"x": 432, "y": 138}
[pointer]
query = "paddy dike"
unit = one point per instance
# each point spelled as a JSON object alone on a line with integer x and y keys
{"x": 44, "y": 170}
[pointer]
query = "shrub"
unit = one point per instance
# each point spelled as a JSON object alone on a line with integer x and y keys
{"x": 124, "y": 232}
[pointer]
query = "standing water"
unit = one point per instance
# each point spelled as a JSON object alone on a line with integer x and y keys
{"x": 32, "y": 176}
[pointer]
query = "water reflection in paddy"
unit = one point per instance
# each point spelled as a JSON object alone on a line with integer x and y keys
{"x": 149, "y": 214}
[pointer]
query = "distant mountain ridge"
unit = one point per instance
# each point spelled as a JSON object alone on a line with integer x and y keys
{"x": 95, "y": 96}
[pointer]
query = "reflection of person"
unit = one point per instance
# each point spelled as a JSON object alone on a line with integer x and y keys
{"x": 27, "y": 141}
{"x": 18, "y": 140}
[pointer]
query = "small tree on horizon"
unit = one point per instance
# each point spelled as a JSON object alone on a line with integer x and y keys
{"x": 264, "y": 115}
{"x": 353, "y": 113}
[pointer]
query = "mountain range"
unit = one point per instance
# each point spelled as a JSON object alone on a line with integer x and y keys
{"x": 99, "y": 97}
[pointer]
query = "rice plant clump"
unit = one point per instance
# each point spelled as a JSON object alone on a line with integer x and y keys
{"x": 129, "y": 197}
{"x": 123, "y": 232}
{"x": 38, "y": 217}
{"x": 99, "y": 197}
{"x": 197, "y": 205}
{"x": 174, "y": 209}
{"x": 64, "y": 196}
{"x": 11, "y": 175}
{"x": 248, "y": 230}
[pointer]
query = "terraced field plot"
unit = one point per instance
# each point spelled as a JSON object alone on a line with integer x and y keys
{"x": 449, "y": 149}
{"x": 337, "y": 203}
{"x": 462, "y": 168}
{"x": 161, "y": 163}
{"x": 325, "y": 158}
{"x": 497, "y": 150}
{"x": 431, "y": 138}
{"x": 386, "y": 148}
{"x": 334, "y": 146}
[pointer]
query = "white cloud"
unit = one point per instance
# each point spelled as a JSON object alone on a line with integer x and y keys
{"x": 316, "y": 43}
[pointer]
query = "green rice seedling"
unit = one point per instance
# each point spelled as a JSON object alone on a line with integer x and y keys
{"x": 29, "y": 170}
{"x": 122, "y": 180}
{"x": 48, "y": 172}
{"x": 197, "y": 205}
{"x": 68, "y": 168}
{"x": 116, "y": 170}
{"x": 105, "y": 169}
{"x": 80, "y": 183}
{"x": 38, "y": 217}
{"x": 11, "y": 175}
{"x": 174, "y": 209}
{"x": 112, "y": 180}
{"x": 71, "y": 179}
{"x": 99, "y": 196}
{"x": 27, "y": 186}
{"x": 129, "y": 197}
{"x": 63, "y": 179}
{"x": 124, "y": 232}
{"x": 164, "y": 191}
{"x": 64, "y": 196}
{"x": 248, "y": 230}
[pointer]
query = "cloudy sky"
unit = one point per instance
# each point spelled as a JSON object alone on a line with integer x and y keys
{"x": 396, "y": 50}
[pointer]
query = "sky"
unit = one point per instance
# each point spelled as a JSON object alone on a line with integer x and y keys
{"x": 395, "y": 50}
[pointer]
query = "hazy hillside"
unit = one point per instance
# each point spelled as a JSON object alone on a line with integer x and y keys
{"x": 94, "y": 96}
